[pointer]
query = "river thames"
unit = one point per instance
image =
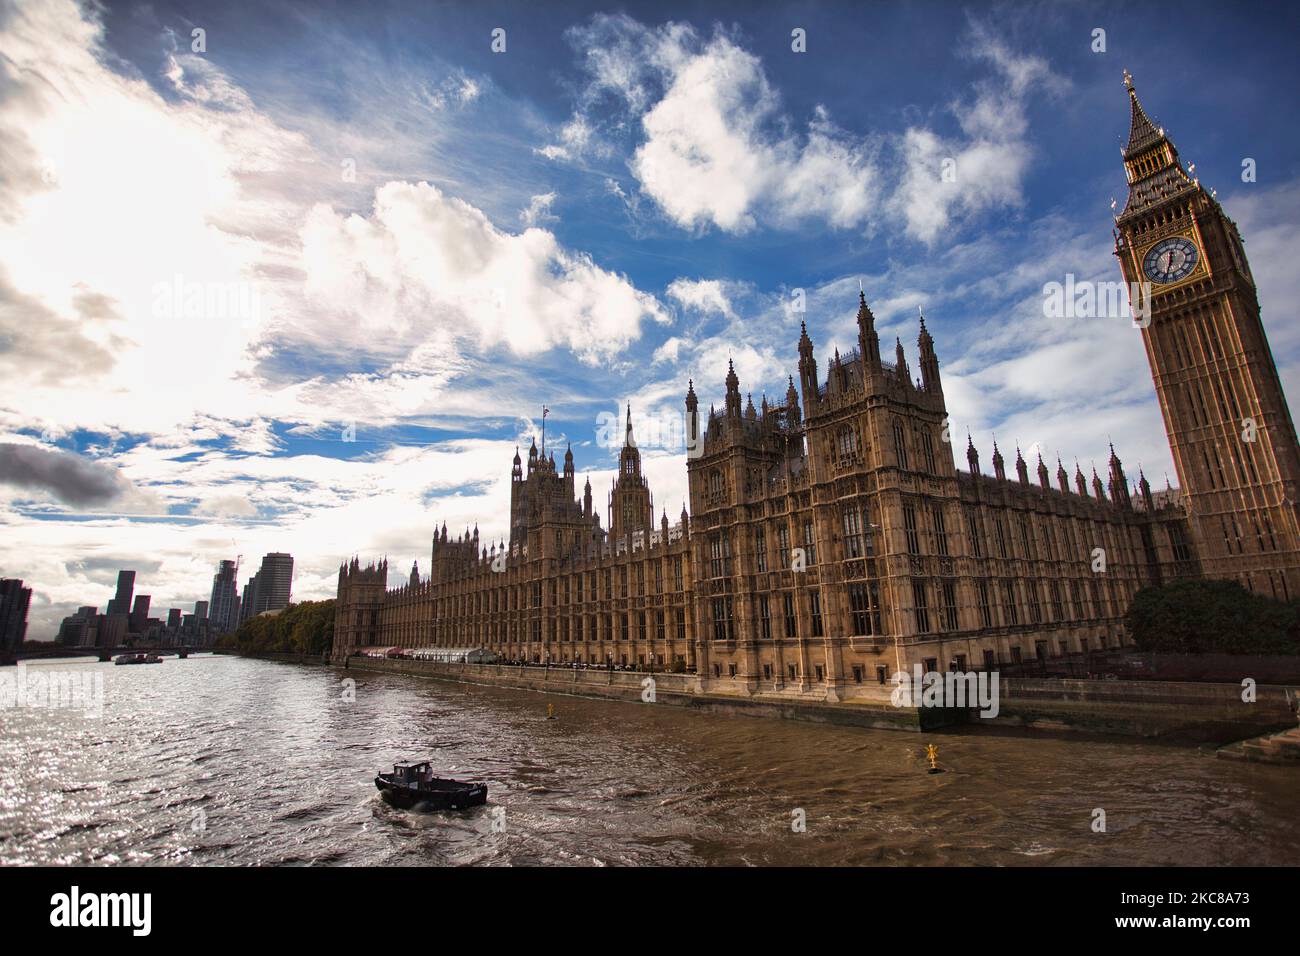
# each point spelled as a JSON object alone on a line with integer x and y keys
{"x": 225, "y": 760}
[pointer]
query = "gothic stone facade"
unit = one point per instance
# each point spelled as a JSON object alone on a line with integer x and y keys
{"x": 832, "y": 539}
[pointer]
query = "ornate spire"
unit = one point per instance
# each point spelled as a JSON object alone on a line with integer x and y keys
{"x": 999, "y": 464}
{"x": 929, "y": 361}
{"x": 972, "y": 456}
{"x": 1118, "y": 483}
{"x": 1022, "y": 470}
{"x": 1150, "y": 161}
{"x": 733, "y": 390}
{"x": 1144, "y": 488}
{"x": 1142, "y": 133}
{"x": 868, "y": 340}
{"x": 900, "y": 361}
{"x": 807, "y": 369}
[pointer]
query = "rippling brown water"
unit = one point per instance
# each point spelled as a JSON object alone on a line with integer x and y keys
{"x": 281, "y": 768}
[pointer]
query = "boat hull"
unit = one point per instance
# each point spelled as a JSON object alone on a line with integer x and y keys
{"x": 416, "y": 798}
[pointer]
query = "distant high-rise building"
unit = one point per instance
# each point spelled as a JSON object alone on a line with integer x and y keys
{"x": 174, "y": 619}
{"x": 201, "y": 610}
{"x": 14, "y": 603}
{"x": 111, "y": 630}
{"x": 140, "y": 614}
{"x": 248, "y": 599}
{"x": 224, "y": 606}
{"x": 79, "y": 630}
{"x": 121, "y": 604}
{"x": 272, "y": 584}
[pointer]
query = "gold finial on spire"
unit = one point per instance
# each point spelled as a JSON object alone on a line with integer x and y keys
{"x": 1128, "y": 81}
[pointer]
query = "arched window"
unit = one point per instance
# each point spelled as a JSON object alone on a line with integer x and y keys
{"x": 846, "y": 442}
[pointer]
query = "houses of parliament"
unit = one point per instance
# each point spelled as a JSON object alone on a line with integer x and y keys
{"x": 833, "y": 539}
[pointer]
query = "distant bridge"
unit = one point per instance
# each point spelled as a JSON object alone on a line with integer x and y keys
{"x": 103, "y": 653}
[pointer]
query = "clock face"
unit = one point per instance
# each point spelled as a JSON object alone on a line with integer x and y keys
{"x": 1170, "y": 260}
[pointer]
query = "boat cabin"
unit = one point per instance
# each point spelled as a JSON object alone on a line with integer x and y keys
{"x": 413, "y": 773}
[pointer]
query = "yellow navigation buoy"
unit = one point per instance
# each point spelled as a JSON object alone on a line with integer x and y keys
{"x": 932, "y": 752}
{"x": 550, "y": 711}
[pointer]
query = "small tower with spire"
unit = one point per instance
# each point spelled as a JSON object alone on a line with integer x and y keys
{"x": 694, "y": 430}
{"x": 900, "y": 363}
{"x": 793, "y": 416}
{"x": 807, "y": 370}
{"x": 733, "y": 391}
{"x": 1119, "y": 493}
{"x": 629, "y": 499}
{"x": 929, "y": 361}
{"x": 868, "y": 340}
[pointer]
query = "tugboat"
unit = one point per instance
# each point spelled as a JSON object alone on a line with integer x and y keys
{"x": 413, "y": 785}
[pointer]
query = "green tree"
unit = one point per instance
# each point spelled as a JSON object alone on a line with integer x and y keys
{"x": 303, "y": 628}
{"x": 1212, "y": 617}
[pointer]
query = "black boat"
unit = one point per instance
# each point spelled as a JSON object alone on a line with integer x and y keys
{"x": 413, "y": 786}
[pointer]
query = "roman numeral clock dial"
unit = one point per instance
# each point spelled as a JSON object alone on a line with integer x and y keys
{"x": 1170, "y": 260}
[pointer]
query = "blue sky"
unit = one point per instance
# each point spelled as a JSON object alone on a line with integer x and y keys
{"x": 342, "y": 221}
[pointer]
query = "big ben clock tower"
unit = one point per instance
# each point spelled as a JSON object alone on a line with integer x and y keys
{"x": 1230, "y": 431}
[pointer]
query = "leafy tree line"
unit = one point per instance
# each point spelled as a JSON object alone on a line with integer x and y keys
{"x": 303, "y": 628}
{"x": 1212, "y": 617}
